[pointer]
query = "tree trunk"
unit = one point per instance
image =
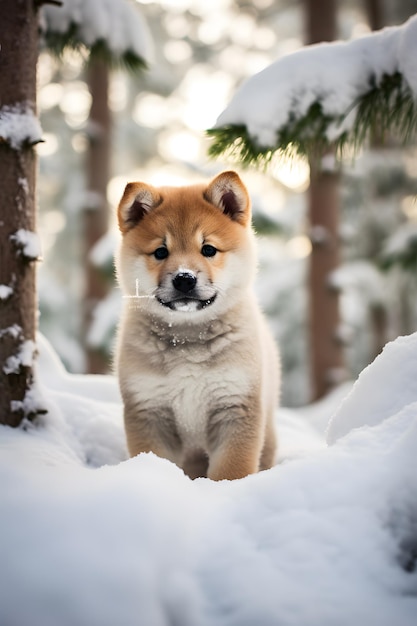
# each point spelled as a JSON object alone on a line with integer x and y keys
{"x": 325, "y": 344}
{"x": 96, "y": 214}
{"x": 320, "y": 20}
{"x": 326, "y": 356}
{"x": 376, "y": 14}
{"x": 18, "y": 57}
{"x": 378, "y": 313}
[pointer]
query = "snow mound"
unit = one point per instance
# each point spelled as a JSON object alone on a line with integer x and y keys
{"x": 90, "y": 538}
{"x": 383, "y": 389}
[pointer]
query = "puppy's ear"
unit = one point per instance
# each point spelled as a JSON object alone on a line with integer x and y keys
{"x": 138, "y": 199}
{"x": 228, "y": 193}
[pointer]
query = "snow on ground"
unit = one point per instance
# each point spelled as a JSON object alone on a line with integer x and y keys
{"x": 326, "y": 538}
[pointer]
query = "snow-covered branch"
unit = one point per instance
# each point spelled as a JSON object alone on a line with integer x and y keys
{"x": 324, "y": 96}
{"x": 112, "y": 29}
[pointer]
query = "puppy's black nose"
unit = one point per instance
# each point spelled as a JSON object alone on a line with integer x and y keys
{"x": 184, "y": 282}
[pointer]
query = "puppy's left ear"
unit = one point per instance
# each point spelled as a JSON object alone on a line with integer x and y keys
{"x": 228, "y": 193}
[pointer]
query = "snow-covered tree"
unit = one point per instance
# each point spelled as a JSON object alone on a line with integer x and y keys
{"x": 318, "y": 101}
{"x": 325, "y": 346}
{"x": 102, "y": 27}
{"x": 113, "y": 30}
{"x": 323, "y": 97}
{"x": 109, "y": 34}
{"x": 19, "y": 132}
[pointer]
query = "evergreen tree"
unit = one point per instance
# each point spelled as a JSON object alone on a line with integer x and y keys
{"x": 119, "y": 38}
{"x": 19, "y": 132}
{"x": 315, "y": 102}
{"x": 324, "y": 97}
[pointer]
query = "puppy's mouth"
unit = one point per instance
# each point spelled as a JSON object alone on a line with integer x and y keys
{"x": 187, "y": 303}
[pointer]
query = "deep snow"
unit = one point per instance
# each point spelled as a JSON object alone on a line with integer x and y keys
{"x": 326, "y": 538}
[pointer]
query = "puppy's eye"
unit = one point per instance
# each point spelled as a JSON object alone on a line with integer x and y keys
{"x": 208, "y": 250}
{"x": 161, "y": 253}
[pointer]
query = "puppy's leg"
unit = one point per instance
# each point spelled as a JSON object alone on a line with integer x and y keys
{"x": 235, "y": 442}
{"x": 232, "y": 461}
{"x": 270, "y": 444}
{"x": 152, "y": 431}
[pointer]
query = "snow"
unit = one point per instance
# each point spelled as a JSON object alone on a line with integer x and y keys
{"x": 393, "y": 376}
{"x": 117, "y": 22}
{"x": 29, "y": 243}
{"x": 19, "y": 126}
{"x": 32, "y": 403}
{"x": 5, "y": 292}
{"x": 328, "y": 536}
{"x": 334, "y": 74}
{"x": 362, "y": 276}
{"x": 104, "y": 316}
{"x": 13, "y": 331}
{"x": 102, "y": 252}
{"x": 24, "y": 357}
{"x": 402, "y": 243}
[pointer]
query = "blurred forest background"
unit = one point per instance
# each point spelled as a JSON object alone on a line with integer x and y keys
{"x": 151, "y": 123}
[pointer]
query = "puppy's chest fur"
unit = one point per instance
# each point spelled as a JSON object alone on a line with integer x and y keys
{"x": 183, "y": 382}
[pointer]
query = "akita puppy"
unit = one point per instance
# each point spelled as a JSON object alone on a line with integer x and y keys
{"x": 197, "y": 367}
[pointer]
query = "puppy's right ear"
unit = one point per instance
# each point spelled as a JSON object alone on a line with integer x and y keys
{"x": 138, "y": 199}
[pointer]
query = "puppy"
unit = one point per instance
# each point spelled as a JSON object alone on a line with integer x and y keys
{"x": 197, "y": 367}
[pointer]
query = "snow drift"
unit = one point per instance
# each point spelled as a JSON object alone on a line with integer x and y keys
{"x": 328, "y": 536}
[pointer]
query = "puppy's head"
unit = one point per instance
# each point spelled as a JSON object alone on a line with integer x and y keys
{"x": 187, "y": 250}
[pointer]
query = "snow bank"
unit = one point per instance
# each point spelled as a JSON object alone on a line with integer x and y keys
{"x": 90, "y": 538}
{"x": 383, "y": 389}
{"x": 334, "y": 74}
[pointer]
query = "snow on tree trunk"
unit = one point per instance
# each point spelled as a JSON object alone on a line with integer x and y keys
{"x": 19, "y": 131}
{"x": 96, "y": 216}
{"x": 326, "y": 357}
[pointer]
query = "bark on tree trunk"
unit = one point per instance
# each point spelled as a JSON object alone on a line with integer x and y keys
{"x": 96, "y": 216}
{"x": 18, "y": 57}
{"x": 320, "y": 20}
{"x": 325, "y": 344}
{"x": 326, "y": 356}
{"x": 378, "y": 313}
{"x": 376, "y": 14}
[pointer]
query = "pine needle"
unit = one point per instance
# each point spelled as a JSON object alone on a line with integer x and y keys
{"x": 57, "y": 43}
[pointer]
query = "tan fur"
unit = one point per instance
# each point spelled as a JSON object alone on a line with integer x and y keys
{"x": 198, "y": 371}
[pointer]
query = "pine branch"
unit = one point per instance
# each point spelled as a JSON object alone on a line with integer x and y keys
{"x": 387, "y": 107}
{"x": 57, "y": 43}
